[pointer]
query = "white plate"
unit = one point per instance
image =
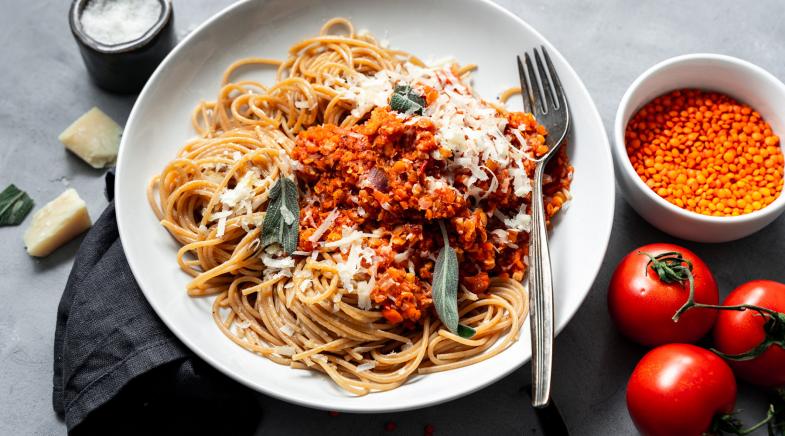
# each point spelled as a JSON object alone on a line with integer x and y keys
{"x": 474, "y": 31}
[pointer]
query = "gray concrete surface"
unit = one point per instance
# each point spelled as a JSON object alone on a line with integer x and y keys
{"x": 43, "y": 87}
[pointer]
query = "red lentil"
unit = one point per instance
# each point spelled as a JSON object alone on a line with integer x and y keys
{"x": 705, "y": 152}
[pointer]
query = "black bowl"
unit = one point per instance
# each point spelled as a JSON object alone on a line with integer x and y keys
{"x": 124, "y": 67}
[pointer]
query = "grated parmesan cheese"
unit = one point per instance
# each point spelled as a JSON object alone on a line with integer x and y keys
{"x": 353, "y": 265}
{"x": 287, "y": 215}
{"x": 287, "y": 330}
{"x": 367, "y": 366}
{"x": 218, "y": 215}
{"x": 521, "y": 183}
{"x": 520, "y": 222}
{"x": 282, "y": 263}
{"x": 401, "y": 257}
{"x": 349, "y": 237}
{"x": 243, "y": 191}
{"x": 284, "y": 350}
{"x": 221, "y": 227}
{"x": 114, "y": 22}
{"x": 365, "y": 289}
{"x": 324, "y": 226}
{"x": 468, "y": 127}
{"x": 368, "y": 92}
{"x": 501, "y": 235}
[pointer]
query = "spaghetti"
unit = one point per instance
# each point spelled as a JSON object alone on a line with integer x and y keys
{"x": 354, "y": 300}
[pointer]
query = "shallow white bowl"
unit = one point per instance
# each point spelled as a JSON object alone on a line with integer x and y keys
{"x": 739, "y": 79}
{"x": 473, "y": 31}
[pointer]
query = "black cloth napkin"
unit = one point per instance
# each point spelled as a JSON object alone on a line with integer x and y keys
{"x": 119, "y": 370}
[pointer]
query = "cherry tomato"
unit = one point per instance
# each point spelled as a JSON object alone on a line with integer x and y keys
{"x": 738, "y": 332}
{"x": 642, "y": 305}
{"x": 678, "y": 389}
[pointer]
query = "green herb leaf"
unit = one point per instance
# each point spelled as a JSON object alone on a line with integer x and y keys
{"x": 15, "y": 204}
{"x": 444, "y": 290}
{"x": 465, "y": 331}
{"x": 405, "y": 100}
{"x": 282, "y": 220}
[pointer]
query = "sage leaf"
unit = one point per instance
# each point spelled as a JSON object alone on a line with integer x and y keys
{"x": 406, "y": 101}
{"x": 465, "y": 331}
{"x": 15, "y": 204}
{"x": 444, "y": 290}
{"x": 281, "y": 221}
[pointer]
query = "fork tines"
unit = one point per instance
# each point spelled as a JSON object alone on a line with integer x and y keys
{"x": 542, "y": 91}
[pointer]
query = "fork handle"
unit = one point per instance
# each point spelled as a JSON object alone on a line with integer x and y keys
{"x": 540, "y": 296}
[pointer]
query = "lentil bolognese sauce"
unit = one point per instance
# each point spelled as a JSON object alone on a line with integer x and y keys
{"x": 350, "y": 215}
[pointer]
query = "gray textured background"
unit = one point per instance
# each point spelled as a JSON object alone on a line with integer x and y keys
{"x": 43, "y": 87}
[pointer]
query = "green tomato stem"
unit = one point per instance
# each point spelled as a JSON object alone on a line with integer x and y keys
{"x": 672, "y": 267}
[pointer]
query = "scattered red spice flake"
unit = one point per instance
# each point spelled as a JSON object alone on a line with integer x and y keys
{"x": 333, "y": 413}
{"x": 429, "y": 430}
{"x": 390, "y": 426}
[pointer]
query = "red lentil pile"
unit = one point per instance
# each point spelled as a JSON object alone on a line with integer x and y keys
{"x": 705, "y": 152}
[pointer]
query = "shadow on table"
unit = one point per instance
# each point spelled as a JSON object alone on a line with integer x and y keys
{"x": 501, "y": 409}
{"x": 62, "y": 255}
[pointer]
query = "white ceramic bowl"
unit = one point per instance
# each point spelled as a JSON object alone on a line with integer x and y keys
{"x": 739, "y": 79}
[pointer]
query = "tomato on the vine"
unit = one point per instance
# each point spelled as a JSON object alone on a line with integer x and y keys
{"x": 643, "y": 304}
{"x": 756, "y": 337}
{"x": 679, "y": 389}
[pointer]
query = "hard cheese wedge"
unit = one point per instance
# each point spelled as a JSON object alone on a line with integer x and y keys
{"x": 57, "y": 223}
{"x": 94, "y": 137}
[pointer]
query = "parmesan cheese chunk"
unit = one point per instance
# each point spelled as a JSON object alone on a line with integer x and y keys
{"x": 94, "y": 137}
{"x": 368, "y": 92}
{"x": 57, "y": 223}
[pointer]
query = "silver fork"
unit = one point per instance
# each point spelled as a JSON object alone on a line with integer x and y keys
{"x": 543, "y": 97}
